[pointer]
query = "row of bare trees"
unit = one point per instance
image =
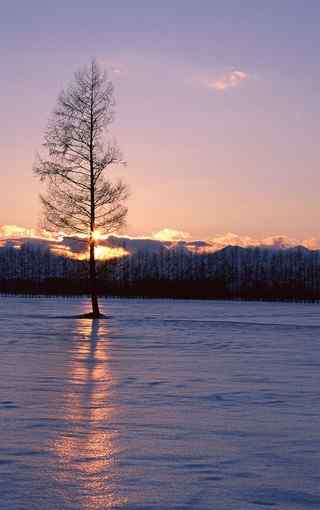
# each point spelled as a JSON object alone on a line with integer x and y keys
{"x": 233, "y": 272}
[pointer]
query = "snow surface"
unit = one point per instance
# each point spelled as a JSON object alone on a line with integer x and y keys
{"x": 165, "y": 405}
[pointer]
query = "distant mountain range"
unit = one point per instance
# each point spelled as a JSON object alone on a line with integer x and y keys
{"x": 117, "y": 245}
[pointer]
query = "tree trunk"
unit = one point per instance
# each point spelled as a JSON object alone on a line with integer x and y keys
{"x": 93, "y": 282}
{"x": 93, "y": 274}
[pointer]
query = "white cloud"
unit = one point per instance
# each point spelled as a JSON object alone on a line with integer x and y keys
{"x": 228, "y": 80}
{"x": 276, "y": 241}
{"x": 280, "y": 241}
{"x": 170, "y": 234}
{"x": 312, "y": 243}
{"x": 9, "y": 231}
{"x": 230, "y": 239}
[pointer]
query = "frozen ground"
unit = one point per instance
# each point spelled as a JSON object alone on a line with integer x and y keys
{"x": 165, "y": 405}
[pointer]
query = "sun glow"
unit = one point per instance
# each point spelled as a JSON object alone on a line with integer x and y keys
{"x": 97, "y": 235}
{"x": 105, "y": 252}
{"x": 101, "y": 252}
{"x": 75, "y": 247}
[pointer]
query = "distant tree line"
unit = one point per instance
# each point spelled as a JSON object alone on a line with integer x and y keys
{"x": 233, "y": 272}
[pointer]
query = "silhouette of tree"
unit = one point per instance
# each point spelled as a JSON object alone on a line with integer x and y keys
{"x": 79, "y": 199}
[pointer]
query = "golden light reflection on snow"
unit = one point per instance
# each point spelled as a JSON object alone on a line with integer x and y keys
{"x": 87, "y": 449}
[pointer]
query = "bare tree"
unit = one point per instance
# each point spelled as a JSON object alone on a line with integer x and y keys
{"x": 79, "y": 199}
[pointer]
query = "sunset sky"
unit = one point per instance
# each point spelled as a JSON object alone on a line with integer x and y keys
{"x": 218, "y": 108}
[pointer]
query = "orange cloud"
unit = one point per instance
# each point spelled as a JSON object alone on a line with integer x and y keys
{"x": 170, "y": 234}
{"x": 101, "y": 252}
{"x": 275, "y": 241}
{"x": 228, "y": 80}
{"x": 9, "y": 231}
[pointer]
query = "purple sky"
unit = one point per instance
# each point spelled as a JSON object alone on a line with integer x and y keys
{"x": 217, "y": 108}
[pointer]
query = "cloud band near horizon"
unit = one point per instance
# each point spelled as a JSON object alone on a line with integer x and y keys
{"x": 118, "y": 245}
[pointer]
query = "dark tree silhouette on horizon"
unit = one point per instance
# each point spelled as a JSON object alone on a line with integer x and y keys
{"x": 79, "y": 199}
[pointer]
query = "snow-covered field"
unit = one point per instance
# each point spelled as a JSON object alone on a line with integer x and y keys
{"x": 165, "y": 405}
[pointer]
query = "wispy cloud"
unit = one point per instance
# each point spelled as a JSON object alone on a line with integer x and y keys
{"x": 228, "y": 80}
